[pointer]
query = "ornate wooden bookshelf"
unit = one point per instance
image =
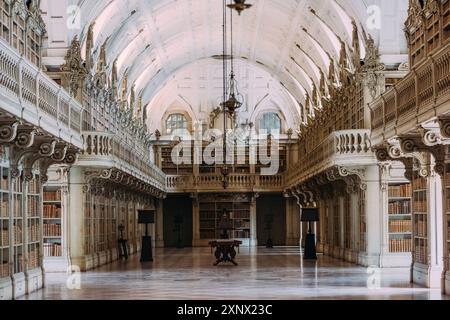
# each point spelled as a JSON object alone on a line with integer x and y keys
{"x": 211, "y": 210}
{"x": 420, "y": 219}
{"x": 400, "y": 217}
{"x": 53, "y": 221}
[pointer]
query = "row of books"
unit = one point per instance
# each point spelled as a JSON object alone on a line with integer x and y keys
{"x": 33, "y": 206}
{"x": 4, "y": 270}
{"x": 34, "y": 186}
{"x": 52, "y": 249}
{"x": 52, "y": 230}
{"x": 33, "y": 233}
{"x": 51, "y": 211}
{"x": 52, "y": 195}
{"x": 403, "y": 190}
{"x": 421, "y": 228}
{"x": 4, "y": 238}
{"x": 400, "y": 207}
{"x": 396, "y": 226}
{"x": 17, "y": 207}
{"x": 420, "y": 254}
{"x": 4, "y": 207}
{"x": 400, "y": 245}
{"x": 33, "y": 259}
{"x": 420, "y": 183}
{"x": 447, "y": 178}
{"x": 420, "y": 206}
{"x": 18, "y": 187}
{"x": 5, "y": 184}
{"x": 17, "y": 232}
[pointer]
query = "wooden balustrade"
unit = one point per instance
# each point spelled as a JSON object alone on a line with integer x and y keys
{"x": 423, "y": 94}
{"x": 107, "y": 149}
{"x": 340, "y": 148}
{"x": 29, "y": 94}
{"x": 213, "y": 182}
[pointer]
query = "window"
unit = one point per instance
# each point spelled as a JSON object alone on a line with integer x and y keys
{"x": 176, "y": 121}
{"x": 270, "y": 122}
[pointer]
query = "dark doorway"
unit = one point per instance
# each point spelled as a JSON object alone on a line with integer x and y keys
{"x": 271, "y": 219}
{"x": 178, "y": 221}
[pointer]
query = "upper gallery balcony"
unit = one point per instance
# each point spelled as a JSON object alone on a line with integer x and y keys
{"x": 341, "y": 148}
{"x": 214, "y": 183}
{"x": 31, "y": 97}
{"x": 422, "y": 96}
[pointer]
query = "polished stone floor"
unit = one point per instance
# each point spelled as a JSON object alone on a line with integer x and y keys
{"x": 279, "y": 273}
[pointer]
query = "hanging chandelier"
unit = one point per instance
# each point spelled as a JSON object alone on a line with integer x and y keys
{"x": 232, "y": 99}
{"x": 235, "y": 99}
{"x": 239, "y": 6}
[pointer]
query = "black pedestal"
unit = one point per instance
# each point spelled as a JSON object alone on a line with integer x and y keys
{"x": 146, "y": 251}
{"x": 310, "y": 247}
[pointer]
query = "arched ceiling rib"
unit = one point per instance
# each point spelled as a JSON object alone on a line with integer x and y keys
{"x": 152, "y": 39}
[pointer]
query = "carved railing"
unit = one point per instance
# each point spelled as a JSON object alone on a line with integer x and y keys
{"x": 423, "y": 94}
{"x": 213, "y": 182}
{"x": 121, "y": 152}
{"x": 340, "y": 148}
{"x": 29, "y": 94}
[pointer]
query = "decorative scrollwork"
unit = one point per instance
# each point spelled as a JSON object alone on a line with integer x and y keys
{"x": 8, "y": 132}
{"x": 382, "y": 154}
{"x": 439, "y": 168}
{"x": 408, "y": 145}
{"x": 445, "y": 127}
{"x": 25, "y": 139}
{"x": 70, "y": 158}
{"x": 47, "y": 149}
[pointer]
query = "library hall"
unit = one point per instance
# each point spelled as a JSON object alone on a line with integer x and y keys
{"x": 224, "y": 150}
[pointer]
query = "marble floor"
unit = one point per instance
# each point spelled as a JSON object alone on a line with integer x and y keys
{"x": 262, "y": 274}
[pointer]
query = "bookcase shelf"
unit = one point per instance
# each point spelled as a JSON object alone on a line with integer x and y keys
{"x": 362, "y": 221}
{"x": 447, "y": 207}
{"x": 347, "y": 223}
{"x": 336, "y": 223}
{"x": 420, "y": 219}
{"x": 169, "y": 167}
{"x": 211, "y": 211}
{"x": 400, "y": 217}
{"x": 5, "y": 243}
{"x": 53, "y": 221}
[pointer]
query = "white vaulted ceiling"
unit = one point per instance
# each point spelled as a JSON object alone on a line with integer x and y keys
{"x": 154, "y": 39}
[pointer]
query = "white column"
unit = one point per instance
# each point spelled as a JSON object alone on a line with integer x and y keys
{"x": 253, "y": 229}
{"x": 435, "y": 231}
{"x": 76, "y": 219}
{"x": 373, "y": 219}
{"x": 159, "y": 237}
{"x": 330, "y": 227}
